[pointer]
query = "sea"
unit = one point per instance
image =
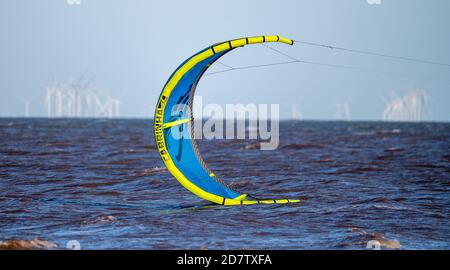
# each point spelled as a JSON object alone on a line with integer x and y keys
{"x": 100, "y": 184}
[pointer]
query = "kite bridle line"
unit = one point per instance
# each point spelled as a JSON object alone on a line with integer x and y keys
{"x": 295, "y": 60}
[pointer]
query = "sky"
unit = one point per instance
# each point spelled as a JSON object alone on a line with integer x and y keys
{"x": 131, "y": 48}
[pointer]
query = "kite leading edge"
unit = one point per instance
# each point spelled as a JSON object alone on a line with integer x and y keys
{"x": 174, "y": 127}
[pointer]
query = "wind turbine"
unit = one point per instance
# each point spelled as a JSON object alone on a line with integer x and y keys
{"x": 342, "y": 111}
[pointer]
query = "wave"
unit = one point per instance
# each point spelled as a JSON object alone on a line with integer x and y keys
{"x": 358, "y": 170}
{"x": 154, "y": 170}
{"x": 252, "y": 146}
{"x": 99, "y": 220}
{"x": 379, "y": 238}
{"x": 27, "y": 244}
{"x": 393, "y": 149}
{"x": 297, "y": 146}
{"x": 425, "y": 166}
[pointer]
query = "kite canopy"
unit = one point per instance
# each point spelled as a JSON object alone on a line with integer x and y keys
{"x": 173, "y": 126}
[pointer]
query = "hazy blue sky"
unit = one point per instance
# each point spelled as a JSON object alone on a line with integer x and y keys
{"x": 133, "y": 46}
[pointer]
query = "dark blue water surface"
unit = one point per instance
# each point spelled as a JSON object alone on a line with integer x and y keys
{"x": 101, "y": 182}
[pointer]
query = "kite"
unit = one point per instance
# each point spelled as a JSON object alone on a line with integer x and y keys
{"x": 174, "y": 127}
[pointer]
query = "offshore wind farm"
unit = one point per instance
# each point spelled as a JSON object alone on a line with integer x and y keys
{"x": 80, "y": 99}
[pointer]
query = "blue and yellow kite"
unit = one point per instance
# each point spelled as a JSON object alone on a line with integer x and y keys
{"x": 180, "y": 153}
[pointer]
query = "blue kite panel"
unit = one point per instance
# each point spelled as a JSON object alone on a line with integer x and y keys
{"x": 177, "y": 138}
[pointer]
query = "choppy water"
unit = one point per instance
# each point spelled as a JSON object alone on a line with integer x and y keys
{"x": 101, "y": 182}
